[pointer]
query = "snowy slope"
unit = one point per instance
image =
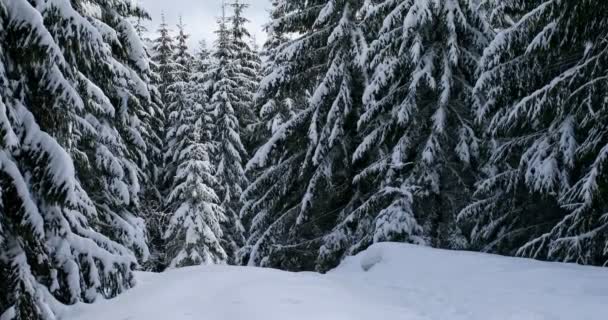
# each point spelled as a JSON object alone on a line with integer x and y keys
{"x": 401, "y": 282}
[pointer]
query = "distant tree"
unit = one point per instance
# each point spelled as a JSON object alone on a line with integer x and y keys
{"x": 226, "y": 94}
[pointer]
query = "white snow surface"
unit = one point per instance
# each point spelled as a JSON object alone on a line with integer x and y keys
{"x": 401, "y": 282}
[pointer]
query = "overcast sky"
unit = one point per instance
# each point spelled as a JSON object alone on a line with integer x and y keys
{"x": 200, "y": 16}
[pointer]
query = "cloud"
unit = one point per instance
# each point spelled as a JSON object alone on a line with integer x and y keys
{"x": 200, "y": 16}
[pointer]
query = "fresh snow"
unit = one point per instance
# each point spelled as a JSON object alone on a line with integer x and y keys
{"x": 388, "y": 281}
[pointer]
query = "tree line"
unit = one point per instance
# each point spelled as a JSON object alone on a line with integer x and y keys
{"x": 458, "y": 124}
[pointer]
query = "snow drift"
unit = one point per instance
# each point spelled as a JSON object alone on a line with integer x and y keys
{"x": 387, "y": 281}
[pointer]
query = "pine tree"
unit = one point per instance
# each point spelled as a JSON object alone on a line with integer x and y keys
{"x": 419, "y": 145}
{"x": 305, "y": 180}
{"x": 247, "y": 65}
{"x": 153, "y": 125}
{"x": 176, "y": 82}
{"x": 543, "y": 97}
{"x": 273, "y": 111}
{"x": 110, "y": 141}
{"x": 224, "y": 78}
{"x": 194, "y": 230}
{"x": 69, "y": 86}
{"x": 151, "y": 200}
{"x": 163, "y": 54}
{"x": 182, "y": 57}
{"x": 202, "y": 58}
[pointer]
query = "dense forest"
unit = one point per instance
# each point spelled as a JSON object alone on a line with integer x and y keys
{"x": 475, "y": 125}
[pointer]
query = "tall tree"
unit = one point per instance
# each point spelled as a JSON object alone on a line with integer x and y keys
{"x": 86, "y": 61}
{"x": 247, "y": 66}
{"x": 163, "y": 53}
{"x": 278, "y": 108}
{"x": 182, "y": 57}
{"x": 176, "y": 100}
{"x": 202, "y": 58}
{"x": 419, "y": 145}
{"x": 194, "y": 229}
{"x": 224, "y": 78}
{"x": 305, "y": 180}
{"x": 110, "y": 144}
{"x": 153, "y": 125}
{"x": 543, "y": 97}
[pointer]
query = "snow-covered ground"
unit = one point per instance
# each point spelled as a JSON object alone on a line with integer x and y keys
{"x": 387, "y": 282}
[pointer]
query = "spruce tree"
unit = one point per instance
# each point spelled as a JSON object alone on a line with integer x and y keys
{"x": 70, "y": 87}
{"x": 178, "y": 68}
{"x": 280, "y": 106}
{"x": 542, "y": 96}
{"x": 110, "y": 141}
{"x": 182, "y": 57}
{"x": 419, "y": 146}
{"x": 194, "y": 228}
{"x": 305, "y": 179}
{"x": 225, "y": 80}
{"x": 163, "y": 53}
{"x": 153, "y": 125}
{"x": 194, "y": 231}
{"x": 247, "y": 66}
{"x": 202, "y": 58}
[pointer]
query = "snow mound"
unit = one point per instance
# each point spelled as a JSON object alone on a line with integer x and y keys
{"x": 442, "y": 284}
{"x": 371, "y": 257}
{"x": 387, "y": 281}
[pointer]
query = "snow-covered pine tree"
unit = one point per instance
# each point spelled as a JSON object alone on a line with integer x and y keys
{"x": 151, "y": 199}
{"x": 247, "y": 65}
{"x": 110, "y": 141}
{"x": 543, "y": 93}
{"x": 194, "y": 230}
{"x": 167, "y": 69}
{"x": 224, "y": 78}
{"x": 163, "y": 50}
{"x": 306, "y": 178}
{"x": 419, "y": 145}
{"x": 275, "y": 105}
{"x": 154, "y": 125}
{"x": 177, "y": 96}
{"x": 280, "y": 106}
{"x": 182, "y": 57}
{"x": 51, "y": 252}
{"x": 202, "y": 58}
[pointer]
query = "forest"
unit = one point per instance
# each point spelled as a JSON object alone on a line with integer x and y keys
{"x": 477, "y": 125}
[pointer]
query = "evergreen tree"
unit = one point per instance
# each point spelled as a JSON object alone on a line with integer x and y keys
{"x": 543, "y": 97}
{"x": 110, "y": 141}
{"x": 225, "y": 101}
{"x": 305, "y": 180}
{"x": 153, "y": 125}
{"x": 194, "y": 231}
{"x": 419, "y": 145}
{"x": 247, "y": 66}
{"x": 202, "y": 58}
{"x": 176, "y": 86}
{"x": 272, "y": 111}
{"x": 73, "y": 82}
{"x": 163, "y": 54}
{"x": 182, "y": 57}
